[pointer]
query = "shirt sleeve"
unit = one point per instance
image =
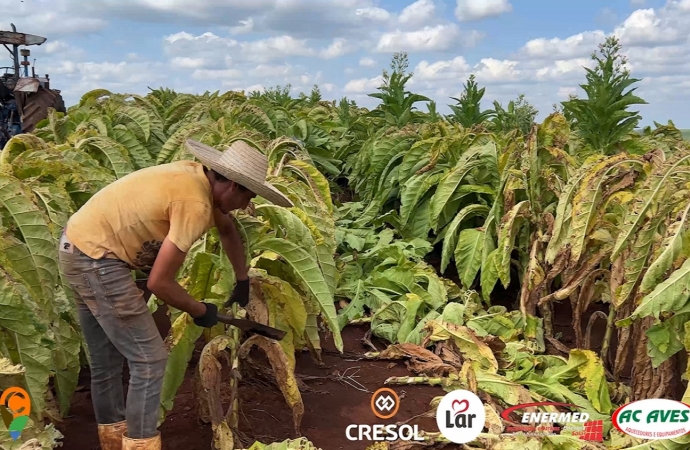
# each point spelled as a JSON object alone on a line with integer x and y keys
{"x": 189, "y": 220}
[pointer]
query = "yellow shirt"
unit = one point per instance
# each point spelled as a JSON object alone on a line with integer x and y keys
{"x": 130, "y": 218}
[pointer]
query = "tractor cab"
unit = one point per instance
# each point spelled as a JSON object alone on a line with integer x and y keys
{"x": 24, "y": 98}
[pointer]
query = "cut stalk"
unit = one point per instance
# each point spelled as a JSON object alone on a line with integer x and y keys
{"x": 610, "y": 324}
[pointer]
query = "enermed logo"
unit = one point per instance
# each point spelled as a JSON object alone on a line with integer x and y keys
{"x": 553, "y": 423}
{"x": 654, "y": 418}
{"x": 385, "y": 404}
{"x": 460, "y": 416}
{"x": 15, "y": 407}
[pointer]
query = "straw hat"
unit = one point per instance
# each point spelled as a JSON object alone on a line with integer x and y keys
{"x": 242, "y": 164}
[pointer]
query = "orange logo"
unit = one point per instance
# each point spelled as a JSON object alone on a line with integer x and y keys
{"x": 15, "y": 408}
{"x": 385, "y": 403}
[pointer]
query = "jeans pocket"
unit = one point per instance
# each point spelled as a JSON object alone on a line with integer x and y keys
{"x": 120, "y": 290}
{"x": 81, "y": 287}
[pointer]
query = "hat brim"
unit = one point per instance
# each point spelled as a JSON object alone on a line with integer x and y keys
{"x": 210, "y": 157}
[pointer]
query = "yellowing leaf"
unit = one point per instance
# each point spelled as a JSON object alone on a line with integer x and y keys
{"x": 468, "y": 343}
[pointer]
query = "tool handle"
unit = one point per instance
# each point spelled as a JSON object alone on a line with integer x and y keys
{"x": 225, "y": 318}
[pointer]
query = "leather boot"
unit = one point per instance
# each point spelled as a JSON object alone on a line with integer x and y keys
{"x": 152, "y": 443}
{"x": 110, "y": 435}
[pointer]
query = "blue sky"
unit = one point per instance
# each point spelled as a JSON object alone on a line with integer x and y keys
{"x": 532, "y": 47}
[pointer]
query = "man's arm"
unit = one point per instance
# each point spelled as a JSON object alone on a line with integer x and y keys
{"x": 163, "y": 284}
{"x": 232, "y": 244}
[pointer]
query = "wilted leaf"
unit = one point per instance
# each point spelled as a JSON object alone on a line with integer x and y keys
{"x": 285, "y": 377}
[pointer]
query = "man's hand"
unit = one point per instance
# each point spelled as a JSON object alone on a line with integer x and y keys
{"x": 163, "y": 284}
{"x": 240, "y": 294}
{"x": 210, "y": 318}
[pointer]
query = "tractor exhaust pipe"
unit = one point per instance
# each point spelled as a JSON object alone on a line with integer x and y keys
{"x": 16, "y": 55}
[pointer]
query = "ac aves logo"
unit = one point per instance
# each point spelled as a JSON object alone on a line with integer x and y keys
{"x": 15, "y": 407}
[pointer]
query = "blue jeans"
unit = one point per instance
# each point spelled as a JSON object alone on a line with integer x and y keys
{"x": 117, "y": 325}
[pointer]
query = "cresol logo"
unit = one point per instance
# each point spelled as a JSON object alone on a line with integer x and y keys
{"x": 654, "y": 418}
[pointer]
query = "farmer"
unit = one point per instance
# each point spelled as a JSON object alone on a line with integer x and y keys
{"x": 148, "y": 221}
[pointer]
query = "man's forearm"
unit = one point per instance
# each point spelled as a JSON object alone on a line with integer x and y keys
{"x": 174, "y": 295}
{"x": 234, "y": 248}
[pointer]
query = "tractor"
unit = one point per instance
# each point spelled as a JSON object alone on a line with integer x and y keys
{"x": 24, "y": 100}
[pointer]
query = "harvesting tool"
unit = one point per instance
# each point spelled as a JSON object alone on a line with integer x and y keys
{"x": 24, "y": 98}
{"x": 252, "y": 327}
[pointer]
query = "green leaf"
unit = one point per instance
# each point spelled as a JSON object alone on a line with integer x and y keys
{"x": 35, "y": 257}
{"x": 112, "y": 153}
{"x": 450, "y": 240}
{"x": 307, "y": 271}
{"x": 506, "y": 239}
{"x": 468, "y": 255}
{"x": 671, "y": 249}
{"x": 671, "y": 295}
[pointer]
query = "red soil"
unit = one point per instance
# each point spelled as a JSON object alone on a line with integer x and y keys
{"x": 330, "y": 405}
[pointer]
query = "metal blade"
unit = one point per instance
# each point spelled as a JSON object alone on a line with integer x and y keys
{"x": 253, "y": 327}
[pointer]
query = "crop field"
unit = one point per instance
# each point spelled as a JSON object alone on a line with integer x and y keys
{"x": 526, "y": 262}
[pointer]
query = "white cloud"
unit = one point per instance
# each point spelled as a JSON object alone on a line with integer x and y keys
{"x": 493, "y": 70}
{"x": 367, "y": 62}
{"x": 446, "y": 75}
{"x": 581, "y": 44}
{"x": 207, "y": 44}
{"x": 373, "y": 13}
{"x": 247, "y": 26}
{"x": 441, "y": 70}
{"x": 418, "y": 13}
{"x": 51, "y": 47}
{"x": 438, "y": 38}
{"x": 254, "y": 87}
{"x": 646, "y": 27}
{"x": 215, "y": 50}
{"x": 263, "y": 70}
{"x": 58, "y": 19}
{"x": 467, "y": 10}
{"x": 339, "y": 47}
{"x": 184, "y": 62}
{"x": 205, "y": 51}
{"x": 64, "y": 68}
{"x": 563, "y": 68}
{"x": 325, "y": 18}
{"x": 672, "y": 59}
{"x": 275, "y": 48}
{"x": 363, "y": 85}
{"x": 210, "y": 74}
{"x": 115, "y": 75}
{"x": 643, "y": 28}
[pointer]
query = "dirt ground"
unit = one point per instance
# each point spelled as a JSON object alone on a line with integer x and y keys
{"x": 330, "y": 405}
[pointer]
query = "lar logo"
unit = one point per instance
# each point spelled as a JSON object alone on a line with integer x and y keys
{"x": 460, "y": 416}
{"x": 653, "y": 418}
{"x": 15, "y": 407}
